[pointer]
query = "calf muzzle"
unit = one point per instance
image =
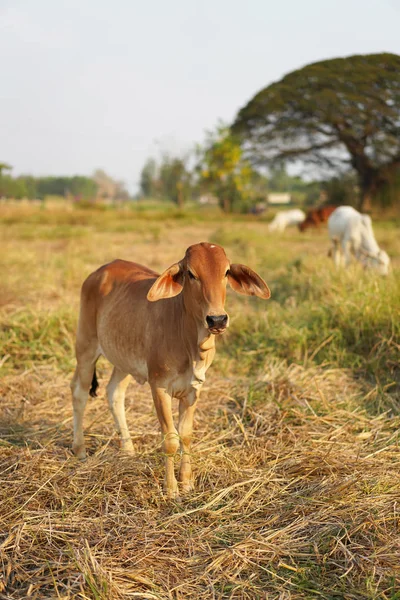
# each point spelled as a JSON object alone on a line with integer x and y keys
{"x": 217, "y": 323}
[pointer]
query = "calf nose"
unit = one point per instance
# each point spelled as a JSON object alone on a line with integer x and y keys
{"x": 217, "y": 322}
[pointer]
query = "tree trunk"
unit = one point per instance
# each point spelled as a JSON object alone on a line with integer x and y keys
{"x": 226, "y": 204}
{"x": 369, "y": 185}
{"x": 180, "y": 200}
{"x": 365, "y": 201}
{"x": 372, "y": 181}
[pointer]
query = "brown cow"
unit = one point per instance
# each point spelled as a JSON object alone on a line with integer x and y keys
{"x": 316, "y": 216}
{"x": 160, "y": 329}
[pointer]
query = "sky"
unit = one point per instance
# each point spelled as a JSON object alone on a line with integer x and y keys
{"x": 89, "y": 84}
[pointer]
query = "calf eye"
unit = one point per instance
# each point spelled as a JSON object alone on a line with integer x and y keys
{"x": 191, "y": 275}
{"x": 227, "y": 273}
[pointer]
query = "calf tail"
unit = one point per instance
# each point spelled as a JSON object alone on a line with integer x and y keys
{"x": 95, "y": 385}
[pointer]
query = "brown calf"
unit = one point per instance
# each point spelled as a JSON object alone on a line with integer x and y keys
{"x": 160, "y": 329}
{"x": 316, "y": 216}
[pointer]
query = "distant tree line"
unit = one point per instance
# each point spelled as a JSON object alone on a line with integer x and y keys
{"x": 215, "y": 168}
{"x": 219, "y": 168}
{"x": 80, "y": 188}
{"x": 338, "y": 118}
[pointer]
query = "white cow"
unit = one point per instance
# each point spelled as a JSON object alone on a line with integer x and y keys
{"x": 353, "y": 232}
{"x": 285, "y": 218}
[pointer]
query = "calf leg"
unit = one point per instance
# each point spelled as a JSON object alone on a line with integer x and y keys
{"x": 80, "y": 386}
{"x": 346, "y": 252}
{"x": 170, "y": 438}
{"x": 116, "y": 389}
{"x": 336, "y": 255}
{"x": 185, "y": 428}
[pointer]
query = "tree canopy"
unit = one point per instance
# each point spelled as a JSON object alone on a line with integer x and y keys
{"x": 148, "y": 177}
{"x": 335, "y": 114}
{"x": 170, "y": 179}
{"x": 223, "y": 171}
{"x": 174, "y": 179}
{"x": 4, "y": 167}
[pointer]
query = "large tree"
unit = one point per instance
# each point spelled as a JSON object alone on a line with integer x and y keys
{"x": 335, "y": 114}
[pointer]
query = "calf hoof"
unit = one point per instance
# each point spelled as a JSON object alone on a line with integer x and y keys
{"x": 187, "y": 487}
{"x": 127, "y": 448}
{"x": 172, "y": 493}
{"x": 79, "y": 452}
{"x": 125, "y": 444}
{"x": 175, "y": 497}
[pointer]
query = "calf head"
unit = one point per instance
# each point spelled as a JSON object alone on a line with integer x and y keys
{"x": 380, "y": 262}
{"x": 302, "y": 226}
{"x": 308, "y": 222}
{"x": 201, "y": 276}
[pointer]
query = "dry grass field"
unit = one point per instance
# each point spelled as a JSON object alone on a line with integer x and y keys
{"x": 296, "y": 446}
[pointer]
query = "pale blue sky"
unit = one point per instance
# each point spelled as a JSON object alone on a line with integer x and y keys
{"x": 91, "y": 83}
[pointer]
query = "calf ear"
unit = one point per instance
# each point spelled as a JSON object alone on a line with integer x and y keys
{"x": 244, "y": 280}
{"x": 167, "y": 285}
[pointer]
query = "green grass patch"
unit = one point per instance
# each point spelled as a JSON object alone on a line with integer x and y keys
{"x": 30, "y": 338}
